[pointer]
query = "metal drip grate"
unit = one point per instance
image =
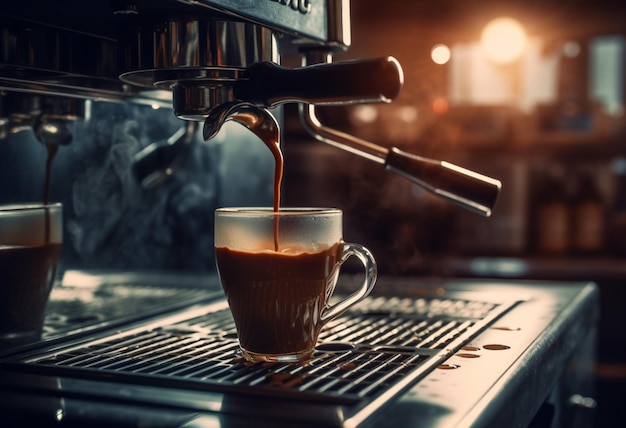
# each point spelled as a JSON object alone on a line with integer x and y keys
{"x": 74, "y": 309}
{"x": 383, "y": 345}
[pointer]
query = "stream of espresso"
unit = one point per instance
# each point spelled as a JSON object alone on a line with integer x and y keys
{"x": 274, "y": 147}
{"x": 52, "y": 151}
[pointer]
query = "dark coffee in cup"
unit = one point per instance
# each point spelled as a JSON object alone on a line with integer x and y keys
{"x": 27, "y": 274}
{"x": 278, "y": 270}
{"x": 30, "y": 249}
{"x": 277, "y": 298}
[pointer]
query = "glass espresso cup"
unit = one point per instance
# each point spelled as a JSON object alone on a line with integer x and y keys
{"x": 279, "y": 271}
{"x": 30, "y": 249}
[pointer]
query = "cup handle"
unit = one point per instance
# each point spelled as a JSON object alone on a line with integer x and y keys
{"x": 371, "y": 273}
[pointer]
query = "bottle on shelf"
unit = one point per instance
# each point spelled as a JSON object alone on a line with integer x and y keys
{"x": 552, "y": 213}
{"x": 617, "y": 217}
{"x": 588, "y": 217}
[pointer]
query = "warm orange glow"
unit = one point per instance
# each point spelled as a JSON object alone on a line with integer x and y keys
{"x": 365, "y": 114}
{"x": 407, "y": 114}
{"x": 571, "y": 49}
{"x": 440, "y": 54}
{"x": 440, "y": 105}
{"x": 503, "y": 40}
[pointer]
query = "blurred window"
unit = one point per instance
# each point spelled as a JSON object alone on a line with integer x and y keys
{"x": 532, "y": 79}
{"x": 607, "y": 73}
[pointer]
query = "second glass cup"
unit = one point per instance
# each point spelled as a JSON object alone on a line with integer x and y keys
{"x": 31, "y": 237}
{"x": 279, "y": 271}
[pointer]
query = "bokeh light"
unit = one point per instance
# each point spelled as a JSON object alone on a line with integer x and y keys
{"x": 440, "y": 105}
{"x": 503, "y": 40}
{"x": 440, "y": 54}
{"x": 571, "y": 49}
{"x": 365, "y": 114}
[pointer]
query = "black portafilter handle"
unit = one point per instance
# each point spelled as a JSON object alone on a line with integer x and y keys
{"x": 469, "y": 189}
{"x": 342, "y": 82}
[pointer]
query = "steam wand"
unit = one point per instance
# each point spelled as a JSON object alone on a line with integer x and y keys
{"x": 468, "y": 189}
{"x": 158, "y": 161}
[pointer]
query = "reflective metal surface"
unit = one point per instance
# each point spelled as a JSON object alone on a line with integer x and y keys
{"x": 384, "y": 344}
{"x": 39, "y": 54}
{"x": 311, "y": 22}
{"x": 438, "y": 354}
{"x": 48, "y": 116}
{"x": 86, "y": 302}
{"x": 200, "y": 59}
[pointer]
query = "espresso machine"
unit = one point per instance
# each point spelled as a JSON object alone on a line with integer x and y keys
{"x": 214, "y": 61}
{"x": 160, "y": 350}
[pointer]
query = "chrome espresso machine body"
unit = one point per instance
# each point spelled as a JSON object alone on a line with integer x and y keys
{"x": 130, "y": 347}
{"x": 216, "y": 61}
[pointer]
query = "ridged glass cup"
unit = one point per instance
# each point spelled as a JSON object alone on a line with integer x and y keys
{"x": 31, "y": 237}
{"x": 279, "y": 271}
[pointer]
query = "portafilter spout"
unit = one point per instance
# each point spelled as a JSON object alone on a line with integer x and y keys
{"x": 257, "y": 120}
{"x": 52, "y": 131}
{"x": 48, "y": 116}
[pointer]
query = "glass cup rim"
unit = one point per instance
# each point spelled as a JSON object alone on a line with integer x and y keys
{"x": 282, "y": 212}
{"x": 28, "y": 206}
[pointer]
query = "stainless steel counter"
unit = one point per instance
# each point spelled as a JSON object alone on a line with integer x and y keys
{"x": 422, "y": 353}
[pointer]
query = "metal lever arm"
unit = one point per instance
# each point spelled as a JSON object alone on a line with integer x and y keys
{"x": 157, "y": 161}
{"x": 469, "y": 189}
{"x": 358, "y": 81}
{"x": 466, "y": 188}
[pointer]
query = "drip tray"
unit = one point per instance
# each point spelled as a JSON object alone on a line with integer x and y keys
{"x": 87, "y": 302}
{"x": 380, "y": 347}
